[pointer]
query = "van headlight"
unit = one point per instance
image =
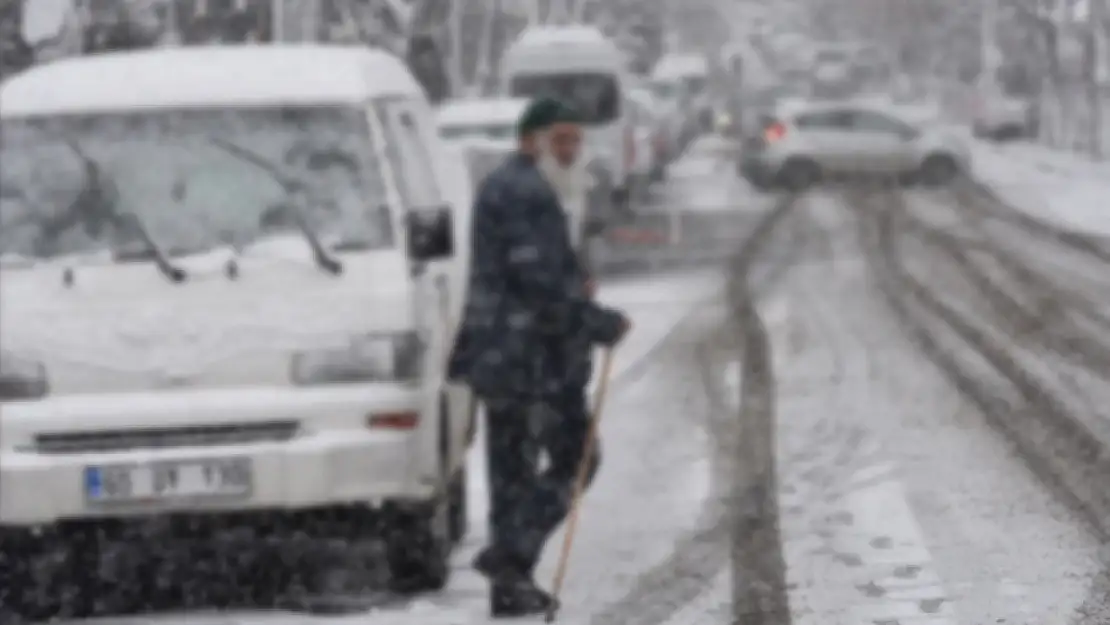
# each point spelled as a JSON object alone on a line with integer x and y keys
{"x": 22, "y": 379}
{"x": 367, "y": 358}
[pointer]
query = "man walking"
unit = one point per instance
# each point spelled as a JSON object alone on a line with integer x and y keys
{"x": 528, "y": 304}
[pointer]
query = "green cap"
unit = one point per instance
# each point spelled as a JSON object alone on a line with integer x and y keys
{"x": 542, "y": 113}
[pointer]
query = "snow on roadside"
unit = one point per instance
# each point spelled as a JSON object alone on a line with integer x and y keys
{"x": 1060, "y": 187}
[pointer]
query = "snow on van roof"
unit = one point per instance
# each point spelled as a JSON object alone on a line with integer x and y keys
{"x": 206, "y": 76}
{"x": 481, "y": 110}
{"x": 561, "y": 49}
{"x": 680, "y": 66}
{"x": 562, "y": 35}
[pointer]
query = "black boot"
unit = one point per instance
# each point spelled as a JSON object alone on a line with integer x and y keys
{"x": 519, "y": 598}
{"x": 513, "y": 592}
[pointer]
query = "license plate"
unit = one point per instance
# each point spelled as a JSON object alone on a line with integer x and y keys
{"x": 156, "y": 481}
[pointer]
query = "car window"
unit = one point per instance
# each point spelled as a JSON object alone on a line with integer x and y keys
{"x": 870, "y": 121}
{"x": 497, "y": 132}
{"x": 664, "y": 90}
{"x": 408, "y": 154}
{"x": 595, "y": 96}
{"x": 824, "y": 120}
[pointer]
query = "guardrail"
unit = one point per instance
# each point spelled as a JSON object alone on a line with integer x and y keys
{"x": 670, "y": 238}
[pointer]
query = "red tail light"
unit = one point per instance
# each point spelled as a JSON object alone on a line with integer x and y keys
{"x": 393, "y": 421}
{"x": 774, "y": 132}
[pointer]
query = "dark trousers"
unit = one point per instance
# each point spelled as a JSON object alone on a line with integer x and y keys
{"x": 527, "y": 504}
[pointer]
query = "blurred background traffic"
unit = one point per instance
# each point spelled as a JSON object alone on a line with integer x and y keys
{"x": 1035, "y": 68}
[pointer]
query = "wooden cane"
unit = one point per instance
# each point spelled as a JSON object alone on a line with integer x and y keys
{"x": 580, "y": 482}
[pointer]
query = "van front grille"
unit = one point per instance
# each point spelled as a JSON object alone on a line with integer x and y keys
{"x": 163, "y": 438}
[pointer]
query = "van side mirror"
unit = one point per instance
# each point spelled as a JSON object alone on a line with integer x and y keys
{"x": 431, "y": 233}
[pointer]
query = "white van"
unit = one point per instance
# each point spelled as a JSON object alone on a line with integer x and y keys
{"x": 484, "y": 128}
{"x": 683, "y": 80}
{"x": 580, "y": 66}
{"x": 229, "y": 287}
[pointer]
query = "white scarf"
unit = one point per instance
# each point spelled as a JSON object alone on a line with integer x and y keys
{"x": 570, "y": 184}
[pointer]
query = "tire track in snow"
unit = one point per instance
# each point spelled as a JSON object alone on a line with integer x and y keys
{"x": 698, "y": 557}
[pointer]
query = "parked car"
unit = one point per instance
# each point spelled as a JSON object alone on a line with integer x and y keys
{"x": 480, "y": 120}
{"x": 239, "y": 317}
{"x": 672, "y": 114}
{"x": 803, "y": 144}
{"x": 657, "y": 134}
{"x": 684, "y": 78}
{"x": 1000, "y": 116}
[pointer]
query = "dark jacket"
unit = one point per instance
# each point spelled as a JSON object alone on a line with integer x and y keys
{"x": 527, "y": 309}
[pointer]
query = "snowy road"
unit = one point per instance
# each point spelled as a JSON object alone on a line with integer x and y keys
{"x": 903, "y": 500}
{"x": 925, "y": 514}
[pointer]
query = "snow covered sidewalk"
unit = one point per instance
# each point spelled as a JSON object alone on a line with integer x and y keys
{"x": 1060, "y": 187}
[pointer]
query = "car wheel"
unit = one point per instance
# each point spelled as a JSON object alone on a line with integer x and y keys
{"x": 20, "y": 595}
{"x": 800, "y": 174}
{"x": 758, "y": 182}
{"x": 418, "y": 537}
{"x": 458, "y": 506}
{"x": 418, "y": 545}
{"x": 938, "y": 169}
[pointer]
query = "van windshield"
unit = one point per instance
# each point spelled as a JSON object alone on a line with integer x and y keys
{"x": 695, "y": 85}
{"x": 595, "y": 96}
{"x": 833, "y": 55}
{"x": 172, "y": 170}
{"x": 664, "y": 90}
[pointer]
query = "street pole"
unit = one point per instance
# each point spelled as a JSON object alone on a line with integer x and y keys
{"x": 988, "y": 48}
{"x": 455, "y": 17}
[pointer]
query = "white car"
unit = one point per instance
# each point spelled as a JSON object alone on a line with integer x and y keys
{"x": 480, "y": 120}
{"x": 1000, "y": 116}
{"x": 230, "y": 284}
{"x": 671, "y": 118}
{"x": 804, "y": 143}
{"x": 484, "y": 128}
{"x": 647, "y": 148}
{"x": 684, "y": 79}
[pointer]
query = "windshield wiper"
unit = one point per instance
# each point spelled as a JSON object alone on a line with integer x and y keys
{"x": 102, "y": 190}
{"x": 320, "y": 254}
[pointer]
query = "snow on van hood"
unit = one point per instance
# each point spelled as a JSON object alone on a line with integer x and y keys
{"x": 125, "y": 327}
